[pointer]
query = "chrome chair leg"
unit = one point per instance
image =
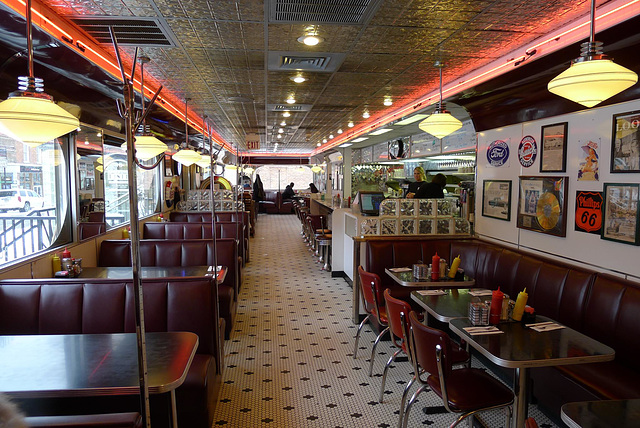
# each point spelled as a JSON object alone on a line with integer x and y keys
{"x": 355, "y": 347}
{"x": 413, "y": 400}
{"x": 384, "y": 373}
{"x": 403, "y": 400}
{"x": 373, "y": 350}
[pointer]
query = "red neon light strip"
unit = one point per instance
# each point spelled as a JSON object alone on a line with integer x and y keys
{"x": 74, "y": 38}
{"x": 606, "y": 19}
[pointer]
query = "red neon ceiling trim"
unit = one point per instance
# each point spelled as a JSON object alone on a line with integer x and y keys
{"x": 76, "y": 39}
{"x": 606, "y": 16}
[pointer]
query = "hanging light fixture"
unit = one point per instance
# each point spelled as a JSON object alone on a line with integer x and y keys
{"x": 186, "y": 156}
{"x": 146, "y": 145}
{"x": 310, "y": 37}
{"x": 592, "y": 78}
{"x": 316, "y": 169}
{"x": 440, "y": 123}
{"x": 204, "y": 162}
{"x": 29, "y": 114}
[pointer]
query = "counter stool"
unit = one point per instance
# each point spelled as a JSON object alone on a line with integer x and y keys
{"x": 324, "y": 243}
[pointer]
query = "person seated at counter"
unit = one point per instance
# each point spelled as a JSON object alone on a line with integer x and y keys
{"x": 430, "y": 190}
{"x": 421, "y": 178}
{"x": 313, "y": 188}
{"x": 288, "y": 192}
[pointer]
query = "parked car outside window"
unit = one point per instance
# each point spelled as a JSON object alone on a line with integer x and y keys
{"x": 20, "y": 199}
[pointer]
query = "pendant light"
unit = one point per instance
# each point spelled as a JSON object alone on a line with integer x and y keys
{"x": 146, "y": 145}
{"x": 440, "y": 123}
{"x": 186, "y": 157}
{"x": 29, "y": 114}
{"x": 592, "y": 78}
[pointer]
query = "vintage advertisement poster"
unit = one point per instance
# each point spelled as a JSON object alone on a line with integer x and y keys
{"x": 496, "y": 199}
{"x": 588, "y": 167}
{"x": 625, "y": 147}
{"x": 588, "y": 212}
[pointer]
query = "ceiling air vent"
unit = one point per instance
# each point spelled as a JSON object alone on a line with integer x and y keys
{"x": 129, "y": 31}
{"x": 322, "y": 12}
{"x": 305, "y": 61}
{"x": 289, "y": 107}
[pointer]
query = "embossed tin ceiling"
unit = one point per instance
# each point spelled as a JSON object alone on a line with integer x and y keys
{"x": 219, "y": 55}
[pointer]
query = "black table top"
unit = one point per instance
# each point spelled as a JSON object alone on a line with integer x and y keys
{"x": 521, "y": 347}
{"x": 454, "y": 304}
{"x": 71, "y": 365}
{"x": 602, "y": 414}
{"x": 150, "y": 272}
{"x": 406, "y": 279}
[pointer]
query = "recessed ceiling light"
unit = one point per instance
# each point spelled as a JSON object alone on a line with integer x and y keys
{"x": 291, "y": 100}
{"x": 357, "y": 140}
{"x": 366, "y": 114}
{"x": 280, "y": 131}
{"x": 339, "y": 131}
{"x": 380, "y": 131}
{"x": 99, "y": 134}
{"x": 283, "y": 123}
{"x": 279, "y": 136}
{"x": 286, "y": 114}
{"x": 331, "y": 136}
{"x": 411, "y": 119}
{"x": 350, "y": 124}
{"x": 298, "y": 79}
{"x": 318, "y": 145}
{"x": 387, "y": 101}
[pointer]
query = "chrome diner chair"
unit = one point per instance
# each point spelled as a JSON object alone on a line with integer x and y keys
{"x": 466, "y": 390}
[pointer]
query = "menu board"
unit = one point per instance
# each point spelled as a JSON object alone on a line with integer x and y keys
{"x": 463, "y": 139}
{"x": 424, "y": 144}
{"x": 356, "y": 156}
{"x": 367, "y": 154}
{"x": 381, "y": 152}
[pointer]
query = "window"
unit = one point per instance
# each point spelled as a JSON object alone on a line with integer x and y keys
{"x": 34, "y": 202}
{"x": 277, "y": 177}
{"x": 116, "y": 185}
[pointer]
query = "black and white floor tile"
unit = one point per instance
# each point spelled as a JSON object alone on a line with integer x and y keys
{"x": 289, "y": 362}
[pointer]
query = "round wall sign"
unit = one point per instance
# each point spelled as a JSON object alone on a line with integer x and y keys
{"x": 527, "y": 151}
{"x": 498, "y": 153}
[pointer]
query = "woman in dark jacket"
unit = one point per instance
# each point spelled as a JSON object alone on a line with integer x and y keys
{"x": 258, "y": 190}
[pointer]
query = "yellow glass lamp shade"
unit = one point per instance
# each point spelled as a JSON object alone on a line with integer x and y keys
{"x": 232, "y": 167}
{"x": 187, "y": 157}
{"x": 592, "y": 81}
{"x": 35, "y": 120}
{"x": 316, "y": 169}
{"x": 248, "y": 170}
{"x": 147, "y": 147}
{"x": 440, "y": 124}
{"x": 204, "y": 161}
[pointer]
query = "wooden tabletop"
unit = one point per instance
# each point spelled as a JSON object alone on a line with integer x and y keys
{"x": 72, "y": 365}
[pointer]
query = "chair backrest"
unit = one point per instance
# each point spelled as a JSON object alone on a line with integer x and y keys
{"x": 424, "y": 340}
{"x": 398, "y": 318}
{"x": 370, "y": 289}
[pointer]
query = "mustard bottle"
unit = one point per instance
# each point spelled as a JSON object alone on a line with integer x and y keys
{"x": 56, "y": 264}
{"x": 455, "y": 264}
{"x": 521, "y": 302}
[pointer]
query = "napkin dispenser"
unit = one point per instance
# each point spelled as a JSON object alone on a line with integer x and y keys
{"x": 421, "y": 271}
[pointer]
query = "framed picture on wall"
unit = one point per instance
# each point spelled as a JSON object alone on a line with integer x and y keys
{"x": 496, "y": 199}
{"x": 620, "y": 213}
{"x": 625, "y": 142}
{"x": 553, "y": 148}
{"x": 542, "y": 205}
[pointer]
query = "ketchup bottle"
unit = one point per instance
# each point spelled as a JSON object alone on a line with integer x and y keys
{"x": 496, "y": 306}
{"x": 66, "y": 254}
{"x": 435, "y": 267}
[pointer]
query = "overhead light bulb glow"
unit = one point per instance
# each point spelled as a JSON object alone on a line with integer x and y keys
{"x": 387, "y": 102}
{"x": 339, "y": 131}
{"x": 366, "y": 114}
{"x": 298, "y": 79}
{"x": 291, "y": 100}
{"x": 286, "y": 114}
{"x": 350, "y": 125}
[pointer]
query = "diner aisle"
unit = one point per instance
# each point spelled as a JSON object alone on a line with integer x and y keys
{"x": 289, "y": 360}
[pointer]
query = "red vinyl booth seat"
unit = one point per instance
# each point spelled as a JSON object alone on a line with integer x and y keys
{"x": 602, "y": 306}
{"x": 187, "y": 230}
{"x": 92, "y": 306}
{"x": 196, "y": 252}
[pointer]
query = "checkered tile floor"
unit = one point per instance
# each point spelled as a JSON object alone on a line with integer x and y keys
{"x": 289, "y": 362}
